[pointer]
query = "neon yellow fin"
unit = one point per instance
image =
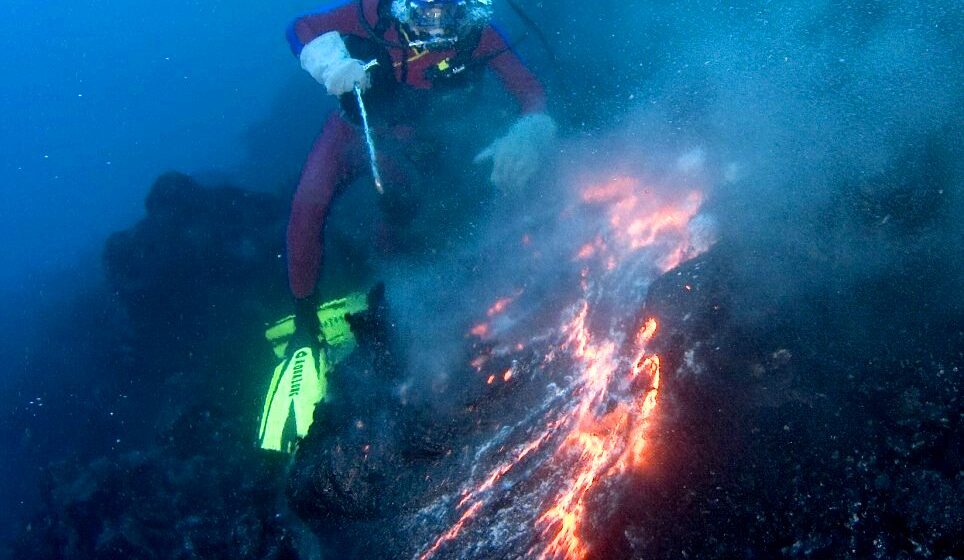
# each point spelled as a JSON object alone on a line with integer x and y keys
{"x": 297, "y": 386}
{"x": 334, "y": 326}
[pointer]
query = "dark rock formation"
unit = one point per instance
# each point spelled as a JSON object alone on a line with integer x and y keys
{"x": 199, "y": 277}
{"x": 788, "y": 435}
{"x": 810, "y": 406}
{"x": 202, "y": 262}
{"x": 198, "y": 494}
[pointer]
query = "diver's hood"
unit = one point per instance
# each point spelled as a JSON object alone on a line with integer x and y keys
{"x": 473, "y": 17}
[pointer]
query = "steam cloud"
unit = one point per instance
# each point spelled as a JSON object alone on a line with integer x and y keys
{"x": 827, "y": 135}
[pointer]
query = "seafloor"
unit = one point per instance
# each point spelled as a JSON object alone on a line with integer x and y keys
{"x": 819, "y": 424}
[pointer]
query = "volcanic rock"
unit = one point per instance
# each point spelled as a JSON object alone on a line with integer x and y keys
{"x": 777, "y": 443}
{"x": 197, "y": 494}
{"x": 199, "y": 260}
{"x": 198, "y": 278}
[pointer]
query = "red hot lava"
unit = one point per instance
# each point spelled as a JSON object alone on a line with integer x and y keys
{"x": 599, "y": 446}
{"x": 600, "y": 431}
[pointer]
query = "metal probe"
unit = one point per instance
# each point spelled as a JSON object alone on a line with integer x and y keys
{"x": 376, "y": 175}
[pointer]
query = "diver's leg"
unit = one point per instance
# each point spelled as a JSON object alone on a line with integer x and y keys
{"x": 333, "y": 163}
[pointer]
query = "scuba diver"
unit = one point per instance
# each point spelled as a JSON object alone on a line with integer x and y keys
{"x": 404, "y": 56}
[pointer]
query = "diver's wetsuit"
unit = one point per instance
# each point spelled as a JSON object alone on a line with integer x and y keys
{"x": 338, "y": 156}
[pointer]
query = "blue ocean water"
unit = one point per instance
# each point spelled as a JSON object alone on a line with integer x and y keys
{"x": 99, "y": 98}
{"x": 96, "y": 100}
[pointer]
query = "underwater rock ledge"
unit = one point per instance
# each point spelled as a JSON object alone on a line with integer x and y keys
{"x": 777, "y": 440}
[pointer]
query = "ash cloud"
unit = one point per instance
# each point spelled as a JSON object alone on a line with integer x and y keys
{"x": 834, "y": 127}
{"x": 825, "y": 133}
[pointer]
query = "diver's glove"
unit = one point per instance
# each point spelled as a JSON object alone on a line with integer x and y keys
{"x": 307, "y": 327}
{"x": 327, "y": 60}
{"x": 518, "y": 155}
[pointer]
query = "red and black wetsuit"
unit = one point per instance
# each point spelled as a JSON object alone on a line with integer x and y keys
{"x": 338, "y": 156}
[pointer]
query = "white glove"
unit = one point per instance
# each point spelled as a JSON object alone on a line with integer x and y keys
{"x": 327, "y": 60}
{"x": 517, "y": 156}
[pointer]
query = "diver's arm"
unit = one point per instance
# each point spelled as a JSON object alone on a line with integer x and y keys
{"x": 317, "y": 41}
{"x": 517, "y": 156}
{"x": 342, "y": 17}
{"x": 517, "y": 79}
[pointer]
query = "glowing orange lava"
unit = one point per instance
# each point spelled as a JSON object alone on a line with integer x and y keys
{"x": 599, "y": 429}
{"x": 479, "y": 362}
{"x": 647, "y": 332}
{"x": 639, "y": 218}
{"x": 499, "y": 306}
{"x": 599, "y": 446}
{"x": 475, "y": 497}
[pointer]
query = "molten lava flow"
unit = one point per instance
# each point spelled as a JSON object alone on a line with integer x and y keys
{"x": 603, "y": 445}
{"x": 473, "y": 500}
{"x": 647, "y": 332}
{"x": 639, "y": 218}
{"x": 499, "y": 306}
{"x": 486, "y": 329}
{"x": 595, "y": 429}
{"x": 481, "y": 330}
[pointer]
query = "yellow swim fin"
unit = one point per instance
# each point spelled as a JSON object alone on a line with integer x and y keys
{"x": 335, "y": 330}
{"x": 299, "y": 383}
